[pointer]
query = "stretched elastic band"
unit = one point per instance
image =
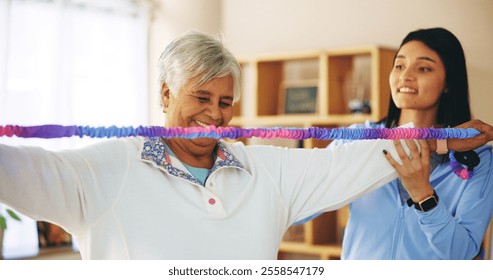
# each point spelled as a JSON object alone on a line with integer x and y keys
{"x": 59, "y": 131}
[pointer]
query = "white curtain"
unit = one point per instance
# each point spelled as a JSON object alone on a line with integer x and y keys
{"x": 71, "y": 62}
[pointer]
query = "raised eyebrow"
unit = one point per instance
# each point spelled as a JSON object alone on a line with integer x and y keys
{"x": 427, "y": 58}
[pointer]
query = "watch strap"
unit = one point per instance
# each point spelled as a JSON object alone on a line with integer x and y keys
{"x": 442, "y": 146}
{"x": 425, "y": 204}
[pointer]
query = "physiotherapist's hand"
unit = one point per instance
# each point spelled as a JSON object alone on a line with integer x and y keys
{"x": 462, "y": 145}
{"x": 414, "y": 169}
{"x": 475, "y": 142}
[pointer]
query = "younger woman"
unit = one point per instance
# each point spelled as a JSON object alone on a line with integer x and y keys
{"x": 429, "y": 212}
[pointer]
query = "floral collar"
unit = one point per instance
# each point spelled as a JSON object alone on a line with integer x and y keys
{"x": 153, "y": 151}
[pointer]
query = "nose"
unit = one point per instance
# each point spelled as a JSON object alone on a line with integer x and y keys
{"x": 214, "y": 112}
{"x": 406, "y": 75}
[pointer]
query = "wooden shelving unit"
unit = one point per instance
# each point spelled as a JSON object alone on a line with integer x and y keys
{"x": 340, "y": 75}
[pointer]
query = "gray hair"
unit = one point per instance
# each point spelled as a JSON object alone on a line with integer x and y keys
{"x": 193, "y": 54}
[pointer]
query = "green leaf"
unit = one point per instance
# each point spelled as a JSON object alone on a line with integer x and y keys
{"x": 3, "y": 223}
{"x": 13, "y": 215}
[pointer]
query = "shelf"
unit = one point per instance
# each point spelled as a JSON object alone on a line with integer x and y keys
{"x": 324, "y": 252}
{"x": 58, "y": 253}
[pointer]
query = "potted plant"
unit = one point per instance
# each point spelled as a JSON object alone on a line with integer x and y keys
{"x": 3, "y": 225}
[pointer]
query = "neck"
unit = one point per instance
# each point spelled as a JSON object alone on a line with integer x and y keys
{"x": 419, "y": 118}
{"x": 200, "y": 157}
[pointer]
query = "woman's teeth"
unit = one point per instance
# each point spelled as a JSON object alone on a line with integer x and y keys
{"x": 407, "y": 90}
{"x": 201, "y": 123}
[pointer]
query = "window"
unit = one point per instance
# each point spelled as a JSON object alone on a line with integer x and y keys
{"x": 72, "y": 62}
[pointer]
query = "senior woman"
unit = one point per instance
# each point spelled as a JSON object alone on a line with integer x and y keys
{"x": 151, "y": 198}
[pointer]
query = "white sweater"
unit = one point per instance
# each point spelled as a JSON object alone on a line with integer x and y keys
{"x": 128, "y": 199}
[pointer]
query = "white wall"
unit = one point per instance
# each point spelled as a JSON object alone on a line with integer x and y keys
{"x": 258, "y": 26}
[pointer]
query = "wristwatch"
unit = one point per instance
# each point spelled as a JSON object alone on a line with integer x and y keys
{"x": 426, "y": 204}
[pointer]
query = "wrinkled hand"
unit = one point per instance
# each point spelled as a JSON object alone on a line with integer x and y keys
{"x": 415, "y": 168}
{"x": 462, "y": 145}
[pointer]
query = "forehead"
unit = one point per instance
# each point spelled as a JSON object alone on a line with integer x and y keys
{"x": 222, "y": 85}
{"x": 417, "y": 49}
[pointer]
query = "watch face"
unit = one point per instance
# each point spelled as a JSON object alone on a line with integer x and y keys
{"x": 428, "y": 204}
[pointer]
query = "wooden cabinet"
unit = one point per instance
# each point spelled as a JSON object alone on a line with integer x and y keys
{"x": 352, "y": 86}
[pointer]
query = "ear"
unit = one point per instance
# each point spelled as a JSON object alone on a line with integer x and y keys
{"x": 445, "y": 89}
{"x": 165, "y": 96}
